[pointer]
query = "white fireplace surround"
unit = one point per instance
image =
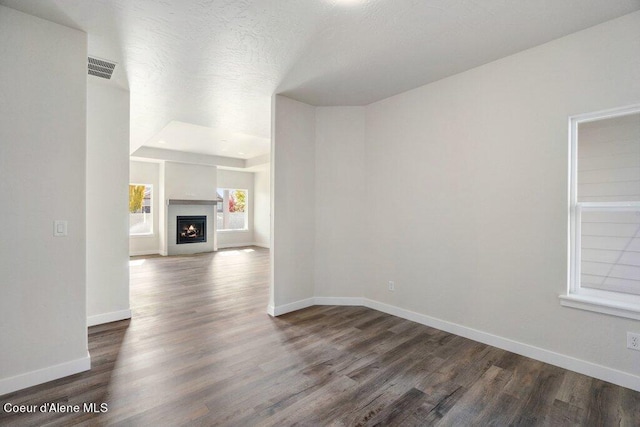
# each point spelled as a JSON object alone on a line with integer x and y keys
{"x": 177, "y": 208}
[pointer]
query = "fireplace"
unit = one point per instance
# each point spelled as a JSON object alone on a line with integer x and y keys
{"x": 191, "y": 229}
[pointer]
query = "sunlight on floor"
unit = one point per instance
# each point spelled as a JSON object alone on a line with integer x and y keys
{"x": 136, "y": 262}
{"x": 235, "y": 252}
{"x": 229, "y": 253}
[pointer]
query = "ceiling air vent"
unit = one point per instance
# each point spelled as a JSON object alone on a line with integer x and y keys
{"x": 101, "y": 68}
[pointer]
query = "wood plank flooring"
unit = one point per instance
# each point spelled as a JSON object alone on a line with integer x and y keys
{"x": 201, "y": 350}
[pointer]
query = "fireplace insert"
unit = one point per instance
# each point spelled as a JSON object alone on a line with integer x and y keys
{"x": 191, "y": 229}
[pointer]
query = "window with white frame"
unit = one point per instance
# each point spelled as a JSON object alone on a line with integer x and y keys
{"x": 233, "y": 211}
{"x": 140, "y": 211}
{"x": 605, "y": 213}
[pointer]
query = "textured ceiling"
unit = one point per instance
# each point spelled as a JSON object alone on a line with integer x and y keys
{"x": 216, "y": 63}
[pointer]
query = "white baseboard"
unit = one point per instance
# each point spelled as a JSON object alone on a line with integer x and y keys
{"x": 242, "y": 245}
{"x": 225, "y": 246}
{"x": 234, "y": 245}
{"x": 287, "y": 308}
{"x": 40, "y": 376}
{"x": 299, "y": 305}
{"x": 142, "y": 253}
{"x": 338, "y": 301}
{"x": 113, "y": 316}
{"x": 594, "y": 370}
{"x": 600, "y": 372}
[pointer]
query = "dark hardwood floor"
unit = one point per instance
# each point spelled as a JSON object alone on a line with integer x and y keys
{"x": 201, "y": 350}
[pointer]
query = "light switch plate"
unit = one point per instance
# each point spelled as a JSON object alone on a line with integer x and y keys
{"x": 59, "y": 228}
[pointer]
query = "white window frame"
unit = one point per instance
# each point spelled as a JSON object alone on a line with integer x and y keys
{"x": 601, "y": 301}
{"x": 152, "y": 213}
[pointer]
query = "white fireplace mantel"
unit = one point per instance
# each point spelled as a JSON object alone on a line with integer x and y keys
{"x": 192, "y": 202}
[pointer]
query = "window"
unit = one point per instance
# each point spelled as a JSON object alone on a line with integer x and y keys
{"x": 232, "y": 212}
{"x": 140, "y": 212}
{"x": 605, "y": 213}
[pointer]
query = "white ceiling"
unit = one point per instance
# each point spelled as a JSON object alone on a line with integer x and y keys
{"x": 191, "y": 64}
{"x": 205, "y": 140}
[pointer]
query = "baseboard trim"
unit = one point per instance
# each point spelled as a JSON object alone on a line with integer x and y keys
{"x": 234, "y": 245}
{"x": 230, "y": 245}
{"x": 352, "y": 301}
{"x": 279, "y": 310}
{"x": 614, "y": 376}
{"x": 40, "y": 376}
{"x": 114, "y": 316}
{"x": 299, "y": 305}
{"x": 142, "y": 253}
{"x": 271, "y": 310}
{"x": 594, "y": 370}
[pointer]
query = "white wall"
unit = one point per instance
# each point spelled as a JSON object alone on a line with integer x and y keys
{"x": 43, "y": 307}
{"x": 293, "y": 201}
{"x": 147, "y": 173}
{"x": 475, "y": 169}
{"x": 190, "y": 182}
{"x": 466, "y": 201}
{"x": 262, "y": 207}
{"x": 340, "y": 190}
{"x": 107, "y": 203}
{"x": 241, "y": 180}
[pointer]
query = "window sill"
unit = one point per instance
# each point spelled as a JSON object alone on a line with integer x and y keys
{"x": 599, "y": 305}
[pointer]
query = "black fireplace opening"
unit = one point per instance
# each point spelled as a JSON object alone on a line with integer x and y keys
{"x": 191, "y": 229}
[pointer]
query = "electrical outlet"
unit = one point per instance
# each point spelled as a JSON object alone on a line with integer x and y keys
{"x": 633, "y": 341}
{"x": 392, "y": 286}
